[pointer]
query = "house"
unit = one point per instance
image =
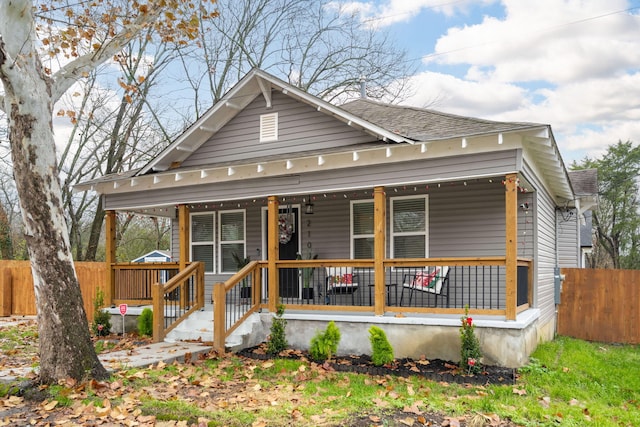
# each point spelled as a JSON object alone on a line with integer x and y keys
{"x": 585, "y": 186}
{"x": 413, "y": 215}
{"x": 154, "y": 256}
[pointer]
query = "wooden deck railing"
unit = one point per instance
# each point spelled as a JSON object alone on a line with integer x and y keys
{"x": 477, "y": 283}
{"x": 134, "y": 280}
{"x": 177, "y": 299}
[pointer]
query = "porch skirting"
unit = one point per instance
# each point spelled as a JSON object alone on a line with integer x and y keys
{"x": 504, "y": 343}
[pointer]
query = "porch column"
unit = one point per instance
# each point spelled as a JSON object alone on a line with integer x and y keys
{"x": 273, "y": 251}
{"x": 511, "y": 249}
{"x": 183, "y": 232}
{"x": 183, "y": 223}
{"x": 110, "y": 256}
{"x": 379, "y": 245}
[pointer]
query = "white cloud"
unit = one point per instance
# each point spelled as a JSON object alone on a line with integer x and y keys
{"x": 381, "y": 14}
{"x": 549, "y": 40}
{"x": 573, "y": 64}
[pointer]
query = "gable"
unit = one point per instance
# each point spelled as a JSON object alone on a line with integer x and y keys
{"x": 299, "y": 128}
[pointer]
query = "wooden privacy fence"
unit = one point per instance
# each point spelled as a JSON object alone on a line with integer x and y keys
{"x": 17, "y": 297}
{"x": 600, "y": 305}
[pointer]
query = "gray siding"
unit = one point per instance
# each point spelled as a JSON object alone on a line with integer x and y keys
{"x": 545, "y": 249}
{"x": 568, "y": 238}
{"x": 300, "y": 128}
{"x": 464, "y": 220}
{"x": 458, "y": 167}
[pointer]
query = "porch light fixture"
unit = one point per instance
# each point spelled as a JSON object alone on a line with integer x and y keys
{"x": 464, "y": 142}
{"x": 423, "y": 148}
{"x": 231, "y": 171}
{"x": 309, "y": 207}
{"x": 320, "y": 160}
{"x": 500, "y": 139}
{"x": 260, "y": 168}
{"x": 388, "y": 153}
{"x": 356, "y": 156}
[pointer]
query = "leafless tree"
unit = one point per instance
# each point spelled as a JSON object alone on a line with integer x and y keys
{"x": 309, "y": 43}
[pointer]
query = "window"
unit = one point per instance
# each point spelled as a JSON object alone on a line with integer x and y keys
{"x": 362, "y": 229}
{"x": 232, "y": 240}
{"x": 202, "y": 239}
{"x": 409, "y": 227}
{"x": 269, "y": 127}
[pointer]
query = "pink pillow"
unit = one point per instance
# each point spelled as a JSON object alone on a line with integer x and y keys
{"x": 424, "y": 280}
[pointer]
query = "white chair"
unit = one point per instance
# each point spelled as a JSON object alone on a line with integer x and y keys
{"x": 431, "y": 280}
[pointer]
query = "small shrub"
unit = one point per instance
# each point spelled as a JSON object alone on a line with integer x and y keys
{"x": 101, "y": 325}
{"x": 145, "y": 322}
{"x": 381, "y": 349}
{"x": 325, "y": 344}
{"x": 470, "y": 353}
{"x": 277, "y": 340}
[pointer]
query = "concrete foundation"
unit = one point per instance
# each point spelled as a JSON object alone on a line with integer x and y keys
{"x": 130, "y": 320}
{"x": 503, "y": 343}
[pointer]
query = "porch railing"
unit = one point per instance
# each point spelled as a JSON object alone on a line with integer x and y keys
{"x": 133, "y": 281}
{"x": 349, "y": 285}
{"x": 177, "y": 299}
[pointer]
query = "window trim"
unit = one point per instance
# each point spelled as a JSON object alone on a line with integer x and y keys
{"x": 212, "y": 242}
{"x": 353, "y": 236}
{"x": 393, "y": 234}
{"x": 220, "y": 242}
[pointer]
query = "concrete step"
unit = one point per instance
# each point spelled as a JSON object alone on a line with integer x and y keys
{"x": 199, "y": 326}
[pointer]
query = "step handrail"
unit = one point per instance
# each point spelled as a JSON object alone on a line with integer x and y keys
{"x": 174, "y": 313}
{"x": 224, "y": 325}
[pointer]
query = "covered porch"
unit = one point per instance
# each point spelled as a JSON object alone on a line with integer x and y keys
{"x": 496, "y": 287}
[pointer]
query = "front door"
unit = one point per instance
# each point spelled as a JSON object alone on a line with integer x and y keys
{"x": 288, "y": 249}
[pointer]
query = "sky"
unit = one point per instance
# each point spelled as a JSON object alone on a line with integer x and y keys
{"x": 572, "y": 64}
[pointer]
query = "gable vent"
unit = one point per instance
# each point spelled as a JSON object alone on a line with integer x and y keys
{"x": 269, "y": 127}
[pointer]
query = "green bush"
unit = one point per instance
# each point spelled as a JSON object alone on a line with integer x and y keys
{"x": 381, "y": 350}
{"x": 470, "y": 353}
{"x": 277, "y": 340}
{"x": 145, "y": 322}
{"x": 101, "y": 325}
{"x": 325, "y": 344}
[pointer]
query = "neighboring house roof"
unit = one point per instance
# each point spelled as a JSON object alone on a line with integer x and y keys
{"x": 154, "y": 256}
{"x": 584, "y": 181}
{"x": 386, "y": 124}
{"x": 585, "y": 187}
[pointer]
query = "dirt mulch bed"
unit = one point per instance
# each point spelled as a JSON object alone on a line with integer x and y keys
{"x": 434, "y": 369}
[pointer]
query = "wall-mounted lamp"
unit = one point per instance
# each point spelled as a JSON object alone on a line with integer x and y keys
{"x": 309, "y": 207}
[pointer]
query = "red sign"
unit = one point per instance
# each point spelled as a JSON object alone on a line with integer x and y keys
{"x": 123, "y": 309}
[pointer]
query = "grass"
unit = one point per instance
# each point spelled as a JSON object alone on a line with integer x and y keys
{"x": 568, "y": 382}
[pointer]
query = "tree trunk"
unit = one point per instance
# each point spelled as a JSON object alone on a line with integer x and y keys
{"x": 66, "y": 349}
